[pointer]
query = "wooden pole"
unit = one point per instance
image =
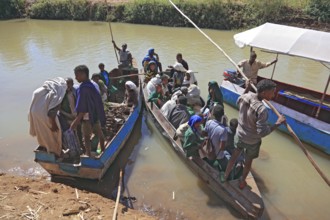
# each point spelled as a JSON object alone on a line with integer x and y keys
{"x": 123, "y": 76}
{"x": 114, "y": 48}
{"x": 114, "y": 217}
{"x": 323, "y": 96}
{"x": 254, "y": 87}
{"x": 274, "y": 67}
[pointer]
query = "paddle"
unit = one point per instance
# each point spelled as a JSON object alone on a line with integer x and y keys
{"x": 114, "y": 48}
{"x": 267, "y": 102}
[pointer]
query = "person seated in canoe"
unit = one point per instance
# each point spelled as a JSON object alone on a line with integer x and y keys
{"x": 104, "y": 75}
{"x": 189, "y": 78}
{"x": 125, "y": 57}
{"x": 44, "y": 122}
{"x": 193, "y": 138}
{"x": 170, "y": 104}
{"x": 151, "y": 85}
{"x": 165, "y": 89}
{"x": 215, "y": 96}
{"x": 231, "y": 131}
{"x": 151, "y": 71}
{"x": 152, "y": 56}
{"x": 179, "y": 114}
{"x": 217, "y": 135}
{"x": 156, "y": 97}
{"x": 89, "y": 108}
{"x": 178, "y": 75}
{"x": 131, "y": 94}
{"x": 252, "y": 125}
{"x": 251, "y": 67}
{"x": 101, "y": 86}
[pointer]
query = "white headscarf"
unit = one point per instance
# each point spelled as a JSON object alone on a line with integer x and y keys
{"x": 178, "y": 67}
{"x": 131, "y": 85}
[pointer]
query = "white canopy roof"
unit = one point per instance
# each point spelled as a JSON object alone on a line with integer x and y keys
{"x": 288, "y": 40}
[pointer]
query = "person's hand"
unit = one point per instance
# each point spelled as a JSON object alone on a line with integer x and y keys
{"x": 74, "y": 125}
{"x": 274, "y": 61}
{"x": 281, "y": 120}
{"x": 248, "y": 83}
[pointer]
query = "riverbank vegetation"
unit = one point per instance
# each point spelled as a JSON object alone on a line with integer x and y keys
{"x": 214, "y": 14}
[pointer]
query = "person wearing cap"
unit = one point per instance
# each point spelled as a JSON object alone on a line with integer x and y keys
{"x": 125, "y": 56}
{"x": 151, "y": 56}
{"x": 102, "y": 88}
{"x": 179, "y": 74}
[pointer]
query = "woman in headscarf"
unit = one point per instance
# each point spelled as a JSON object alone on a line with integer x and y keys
{"x": 193, "y": 139}
{"x": 44, "y": 123}
{"x": 151, "y": 71}
{"x": 215, "y": 95}
{"x": 131, "y": 94}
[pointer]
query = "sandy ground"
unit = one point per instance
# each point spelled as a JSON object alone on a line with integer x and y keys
{"x": 38, "y": 198}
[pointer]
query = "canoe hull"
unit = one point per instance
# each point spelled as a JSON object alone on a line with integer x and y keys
{"x": 92, "y": 168}
{"x": 307, "y": 128}
{"x": 248, "y": 201}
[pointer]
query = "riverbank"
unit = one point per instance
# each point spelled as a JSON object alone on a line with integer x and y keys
{"x": 221, "y": 15}
{"x": 38, "y": 198}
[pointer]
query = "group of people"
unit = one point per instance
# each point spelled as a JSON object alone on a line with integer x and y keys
{"x": 203, "y": 128}
{"x": 60, "y": 108}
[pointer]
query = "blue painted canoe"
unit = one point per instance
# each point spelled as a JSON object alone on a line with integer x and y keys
{"x": 299, "y": 111}
{"x": 89, "y": 167}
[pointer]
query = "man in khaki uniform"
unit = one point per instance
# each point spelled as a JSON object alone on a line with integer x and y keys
{"x": 252, "y": 66}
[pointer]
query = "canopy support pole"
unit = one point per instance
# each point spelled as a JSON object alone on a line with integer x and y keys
{"x": 323, "y": 96}
{"x": 274, "y": 67}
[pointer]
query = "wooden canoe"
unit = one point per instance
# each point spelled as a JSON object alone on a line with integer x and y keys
{"x": 92, "y": 167}
{"x": 299, "y": 106}
{"x": 247, "y": 202}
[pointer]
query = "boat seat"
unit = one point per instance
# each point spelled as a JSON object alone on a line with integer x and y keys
{"x": 304, "y": 99}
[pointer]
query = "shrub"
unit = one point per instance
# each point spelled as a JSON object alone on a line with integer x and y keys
{"x": 12, "y": 9}
{"x": 319, "y": 9}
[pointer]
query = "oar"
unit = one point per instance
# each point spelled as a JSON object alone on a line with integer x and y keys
{"x": 114, "y": 217}
{"x": 267, "y": 102}
{"x": 114, "y": 48}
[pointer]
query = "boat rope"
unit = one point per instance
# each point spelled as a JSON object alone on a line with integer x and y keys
{"x": 114, "y": 48}
{"x": 300, "y": 144}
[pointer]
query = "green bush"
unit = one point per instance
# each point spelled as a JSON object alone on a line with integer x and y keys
{"x": 12, "y": 9}
{"x": 319, "y": 9}
{"x": 60, "y": 9}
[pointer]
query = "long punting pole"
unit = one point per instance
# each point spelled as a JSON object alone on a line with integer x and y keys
{"x": 114, "y": 48}
{"x": 301, "y": 145}
{"x": 323, "y": 96}
{"x": 114, "y": 216}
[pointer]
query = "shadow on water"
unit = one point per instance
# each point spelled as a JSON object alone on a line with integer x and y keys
{"x": 107, "y": 186}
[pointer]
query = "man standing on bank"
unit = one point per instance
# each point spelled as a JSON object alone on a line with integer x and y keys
{"x": 252, "y": 125}
{"x": 252, "y": 66}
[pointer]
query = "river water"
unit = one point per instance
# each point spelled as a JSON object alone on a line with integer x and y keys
{"x": 32, "y": 51}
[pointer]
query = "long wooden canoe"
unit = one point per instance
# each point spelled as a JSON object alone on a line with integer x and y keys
{"x": 93, "y": 167}
{"x": 248, "y": 201}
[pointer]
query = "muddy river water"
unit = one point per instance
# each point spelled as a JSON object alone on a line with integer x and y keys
{"x": 32, "y": 51}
